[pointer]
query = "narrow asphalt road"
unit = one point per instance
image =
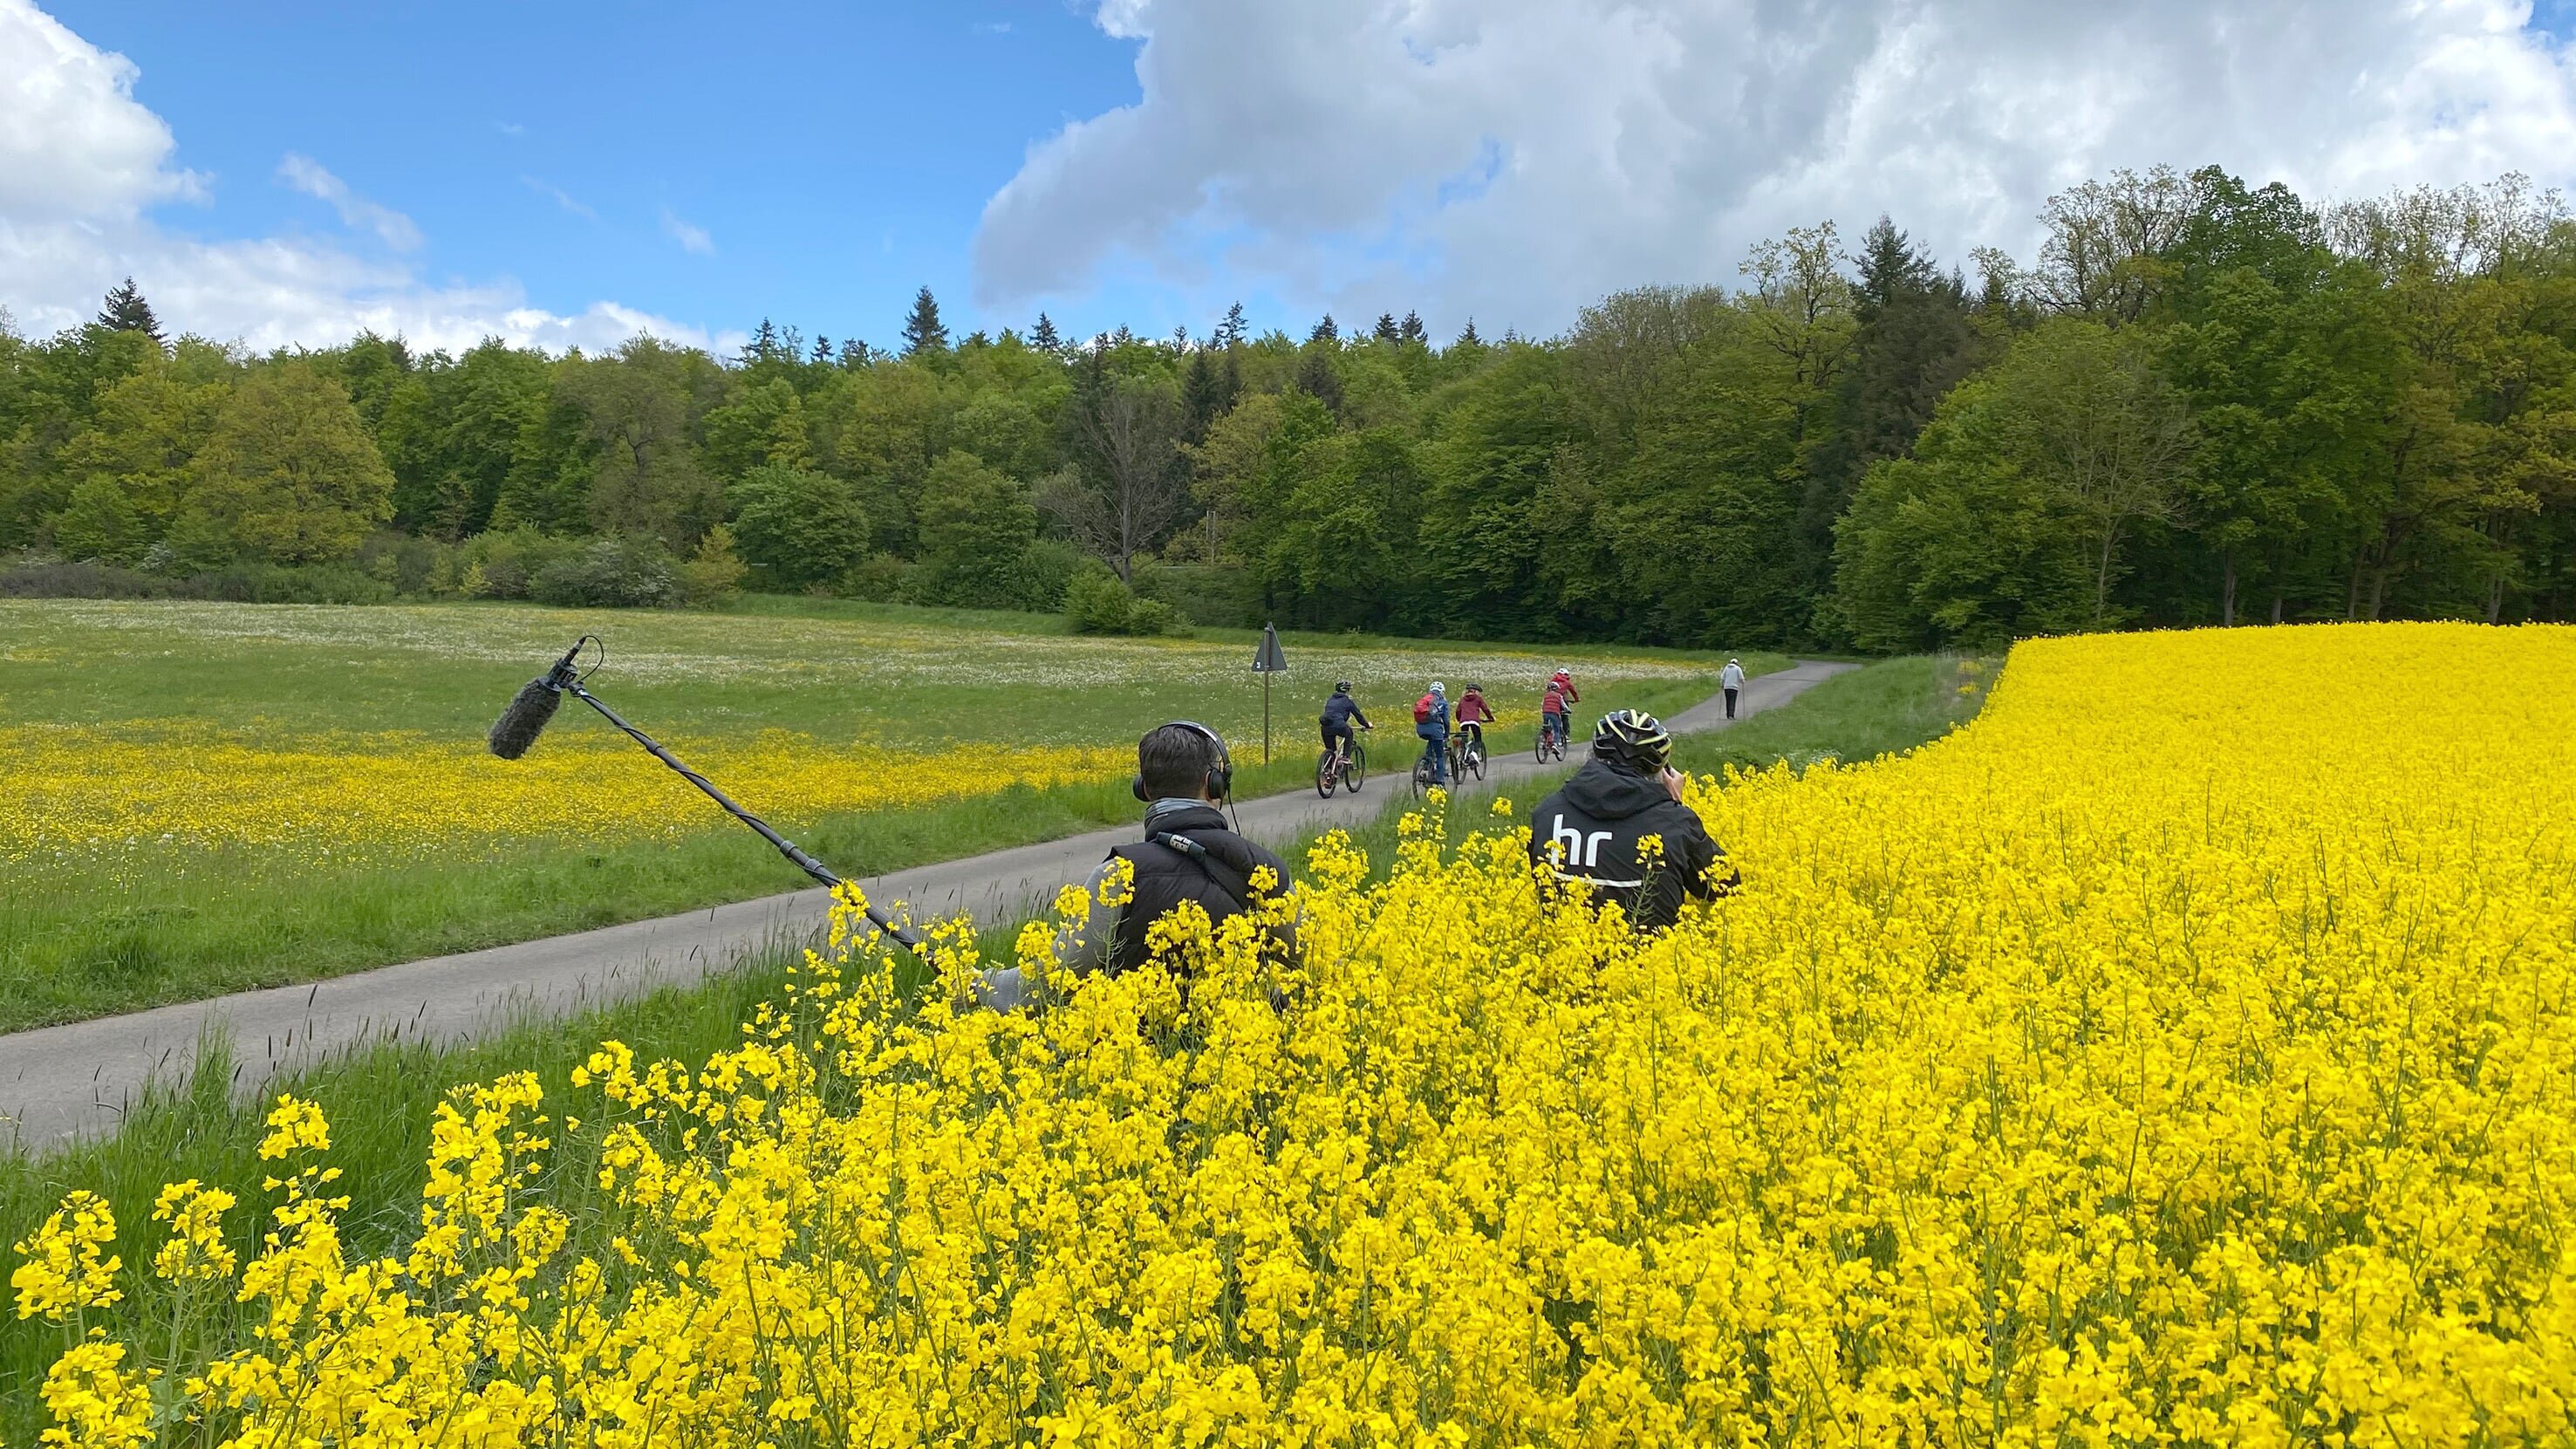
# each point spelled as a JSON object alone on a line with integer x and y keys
{"x": 63, "y": 1082}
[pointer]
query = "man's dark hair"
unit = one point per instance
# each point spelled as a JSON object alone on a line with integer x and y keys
{"x": 1174, "y": 762}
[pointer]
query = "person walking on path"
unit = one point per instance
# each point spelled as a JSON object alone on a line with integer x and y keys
{"x": 1188, "y": 854}
{"x": 1431, "y": 721}
{"x": 1590, "y": 831}
{"x": 1731, "y": 679}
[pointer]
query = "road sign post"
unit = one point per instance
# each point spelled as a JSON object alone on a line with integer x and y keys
{"x": 1267, "y": 661}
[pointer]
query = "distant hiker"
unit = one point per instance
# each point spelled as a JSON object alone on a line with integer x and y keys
{"x": 1588, "y": 831}
{"x": 1474, "y": 714}
{"x": 1339, "y": 711}
{"x": 1731, "y": 679}
{"x": 1552, "y": 706}
{"x": 1188, "y": 853}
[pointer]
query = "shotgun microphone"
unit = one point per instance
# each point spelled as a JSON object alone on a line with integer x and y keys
{"x": 535, "y": 703}
{"x": 525, "y": 719}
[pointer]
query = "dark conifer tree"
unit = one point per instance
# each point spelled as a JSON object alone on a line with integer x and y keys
{"x": 1386, "y": 327}
{"x": 1316, "y": 378}
{"x": 1889, "y": 269}
{"x": 1468, "y": 338}
{"x": 923, "y": 331}
{"x": 1202, "y": 399}
{"x": 1181, "y": 338}
{"x": 1325, "y": 331}
{"x": 1043, "y": 337}
{"x": 763, "y": 346}
{"x": 1412, "y": 330}
{"x": 1231, "y": 330}
{"x": 126, "y": 311}
{"x": 822, "y": 350}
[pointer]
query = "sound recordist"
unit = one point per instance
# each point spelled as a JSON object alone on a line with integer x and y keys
{"x": 1189, "y": 854}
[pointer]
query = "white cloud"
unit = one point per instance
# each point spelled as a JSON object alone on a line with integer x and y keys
{"x": 509, "y": 128}
{"x": 560, "y": 197}
{"x": 692, "y": 239}
{"x": 1517, "y": 158}
{"x": 81, "y": 165}
{"x": 307, "y": 175}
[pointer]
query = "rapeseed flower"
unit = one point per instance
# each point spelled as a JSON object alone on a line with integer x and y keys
{"x": 2126, "y": 1068}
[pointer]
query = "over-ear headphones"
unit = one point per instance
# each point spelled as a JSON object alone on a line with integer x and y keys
{"x": 1220, "y": 776}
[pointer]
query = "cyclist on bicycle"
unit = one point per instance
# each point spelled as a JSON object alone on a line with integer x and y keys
{"x": 1339, "y": 711}
{"x": 1551, "y": 708}
{"x": 1431, "y": 721}
{"x": 1474, "y": 714}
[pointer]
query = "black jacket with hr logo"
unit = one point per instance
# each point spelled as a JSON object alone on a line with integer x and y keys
{"x": 1588, "y": 831}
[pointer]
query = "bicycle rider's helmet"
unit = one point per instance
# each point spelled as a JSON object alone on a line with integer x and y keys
{"x": 1341, "y": 686}
{"x": 1438, "y": 689}
{"x": 1562, "y": 676}
{"x": 1634, "y": 739}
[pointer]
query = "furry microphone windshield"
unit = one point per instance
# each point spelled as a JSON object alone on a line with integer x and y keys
{"x": 525, "y": 719}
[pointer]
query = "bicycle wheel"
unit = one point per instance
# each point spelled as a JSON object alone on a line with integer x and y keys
{"x": 1541, "y": 750}
{"x": 1354, "y": 768}
{"x": 1476, "y": 760}
{"x": 1326, "y": 776}
{"x": 1421, "y": 779}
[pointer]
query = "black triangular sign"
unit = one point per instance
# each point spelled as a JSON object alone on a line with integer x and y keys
{"x": 1268, "y": 659}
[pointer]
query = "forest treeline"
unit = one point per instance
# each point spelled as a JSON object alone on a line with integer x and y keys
{"x": 2201, "y": 402}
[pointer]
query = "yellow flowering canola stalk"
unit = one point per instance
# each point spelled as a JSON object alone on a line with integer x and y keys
{"x": 86, "y": 792}
{"x": 2180, "y": 1054}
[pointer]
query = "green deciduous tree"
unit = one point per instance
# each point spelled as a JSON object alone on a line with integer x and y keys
{"x": 289, "y": 473}
{"x": 801, "y": 527}
{"x": 977, "y": 527}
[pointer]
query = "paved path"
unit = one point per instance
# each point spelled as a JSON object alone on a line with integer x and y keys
{"x": 61, "y": 1082}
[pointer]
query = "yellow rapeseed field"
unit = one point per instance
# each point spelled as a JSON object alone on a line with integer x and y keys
{"x": 2179, "y": 1054}
{"x": 88, "y": 793}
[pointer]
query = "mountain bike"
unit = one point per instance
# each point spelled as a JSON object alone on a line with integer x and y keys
{"x": 1466, "y": 756}
{"x": 1551, "y": 744}
{"x": 1422, "y": 781}
{"x": 1342, "y": 768}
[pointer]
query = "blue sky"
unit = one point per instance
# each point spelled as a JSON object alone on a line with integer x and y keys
{"x": 568, "y": 173}
{"x": 834, "y": 156}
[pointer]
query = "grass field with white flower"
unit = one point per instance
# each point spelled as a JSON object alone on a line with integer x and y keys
{"x": 209, "y": 797}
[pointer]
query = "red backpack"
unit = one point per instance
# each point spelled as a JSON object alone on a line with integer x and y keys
{"x": 1422, "y": 710}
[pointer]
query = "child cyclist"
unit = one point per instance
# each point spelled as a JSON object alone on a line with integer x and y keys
{"x": 1552, "y": 706}
{"x": 1473, "y": 715}
{"x": 1339, "y": 711}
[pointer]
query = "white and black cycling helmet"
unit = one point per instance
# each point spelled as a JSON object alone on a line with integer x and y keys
{"x": 1633, "y": 738}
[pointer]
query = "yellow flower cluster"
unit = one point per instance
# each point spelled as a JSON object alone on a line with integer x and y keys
{"x": 2180, "y": 1054}
{"x": 91, "y": 792}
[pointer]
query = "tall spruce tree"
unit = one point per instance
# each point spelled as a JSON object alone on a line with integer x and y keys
{"x": 1468, "y": 337}
{"x": 1317, "y": 379}
{"x": 822, "y": 350}
{"x": 1232, "y": 330}
{"x": 1044, "y": 338}
{"x": 1325, "y": 331}
{"x": 1385, "y": 327}
{"x": 1202, "y": 397}
{"x": 126, "y": 311}
{"x": 1411, "y": 328}
{"x": 923, "y": 331}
